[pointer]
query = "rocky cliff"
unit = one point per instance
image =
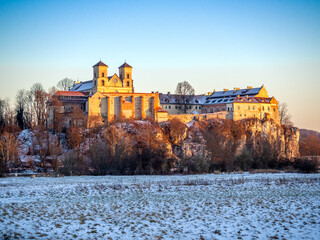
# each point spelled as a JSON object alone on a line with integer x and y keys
{"x": 252, "y": 135}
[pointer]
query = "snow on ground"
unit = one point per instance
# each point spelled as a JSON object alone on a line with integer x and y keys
{"x": 227, "y": 206}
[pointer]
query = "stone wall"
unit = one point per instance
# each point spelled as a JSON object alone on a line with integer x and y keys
{"x": 185, "y": 118}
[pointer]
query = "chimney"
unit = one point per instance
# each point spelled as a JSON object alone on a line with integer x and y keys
{"x": 225, "y": 89}
{"x": 249, "y": 87}
{"x": 236, "y": 89}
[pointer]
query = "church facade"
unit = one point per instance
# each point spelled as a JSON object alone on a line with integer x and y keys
{"x": 108, "y": 98}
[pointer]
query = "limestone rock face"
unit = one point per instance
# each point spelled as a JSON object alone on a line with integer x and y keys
{"x": 283, "y": 140}
{"x": 176, "y": 132}
{"x": 291, "y": 138}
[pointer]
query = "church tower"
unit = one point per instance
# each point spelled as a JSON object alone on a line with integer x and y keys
{"x": 100, "y": 77}
{"x": 125, "y": 73}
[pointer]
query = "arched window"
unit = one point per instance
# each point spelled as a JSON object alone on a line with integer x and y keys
{"x": 102, "y": 82}
{"x": 128, "y": 84}
{"x": 102, "y": 74}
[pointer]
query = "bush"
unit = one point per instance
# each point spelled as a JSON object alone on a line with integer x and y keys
{"x": 244, "y": 161}
{"x": 306, "y": 165}
{"x": 196, "y": 164}
{"x": 73, "y": 164}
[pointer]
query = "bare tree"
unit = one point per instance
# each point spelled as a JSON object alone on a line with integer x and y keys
{"x": 65, "y": 84}
{"x": 40, "y": 98}
{"x": 20, "y": 108}
{"x": 310, "y": 146}
{"x": 29, "y": 110}
{"x": 52, "y": 90}
{"x": 185, "y": 92}
{"x": 4, "y": 112}
{"x": 8, "y": 150}
{"x": 284, "y": 115}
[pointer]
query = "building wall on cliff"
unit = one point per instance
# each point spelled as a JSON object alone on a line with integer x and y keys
{"x": 115, "y": 106}
{"x": 185, "y": 118}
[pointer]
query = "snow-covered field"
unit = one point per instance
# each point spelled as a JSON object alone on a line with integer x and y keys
{"x": 227, "y": 206}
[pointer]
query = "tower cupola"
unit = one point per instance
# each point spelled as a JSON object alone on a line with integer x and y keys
{"x": 125, "y": 74}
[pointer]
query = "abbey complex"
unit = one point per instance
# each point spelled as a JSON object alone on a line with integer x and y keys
{"x": 112, "y": 97}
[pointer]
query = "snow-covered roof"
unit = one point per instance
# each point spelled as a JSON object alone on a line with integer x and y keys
{"x": 82, "y": 86}
{"x": 218, "y": 97}
{"x": 234, "y": 93}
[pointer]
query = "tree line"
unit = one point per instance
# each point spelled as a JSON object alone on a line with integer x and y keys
{"x": 28, "y": 112}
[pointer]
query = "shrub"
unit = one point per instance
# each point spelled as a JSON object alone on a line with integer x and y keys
{"x": 306, "y": 165}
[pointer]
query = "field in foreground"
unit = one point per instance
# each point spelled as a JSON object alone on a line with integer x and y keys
{"x": 227, "y": 206}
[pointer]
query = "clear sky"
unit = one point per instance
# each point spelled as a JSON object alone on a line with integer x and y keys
{"x": 210, "y": 44}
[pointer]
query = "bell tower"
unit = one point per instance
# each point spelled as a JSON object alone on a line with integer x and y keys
{"x": 100, "y": 77}
{"x": 125, "y": 74}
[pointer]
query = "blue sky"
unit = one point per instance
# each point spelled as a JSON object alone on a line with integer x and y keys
{"x": 210, "y": 44}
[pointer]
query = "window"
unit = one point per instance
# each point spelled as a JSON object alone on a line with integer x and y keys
{"x": 238, "y": 107}
{"x": 262, "y": 108}
{"x": 248, "y": 107}
{"x": 95, "y": 75}
{"x": 165, "y": 107}
{"x": 253, "y": 108}
{"x": 245, "y": 115}
{"x": 196, "y": 107}
{"x": 128, "y": 84}
{"x": 176, "y": 107}
{"x": 102, "y": 74}
{"x": 240, "y": 115}
{"x": 274, "y": 109}
{"x": 199, "y": 107}
{"x": 169, "y": 107}
{"x": 268, "y": 109}
{"x": 120, "y": 76}
{"x": 128, "y": 75}
{"x": 102, "y": 82}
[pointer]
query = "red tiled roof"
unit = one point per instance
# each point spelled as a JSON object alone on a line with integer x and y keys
{"x": 159, "y": 109}
{"x": 263, "y": 100}
{"x": 125, "y": 65}
{"x": 252, "y": 100}
{"x": 71, "y": 94}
